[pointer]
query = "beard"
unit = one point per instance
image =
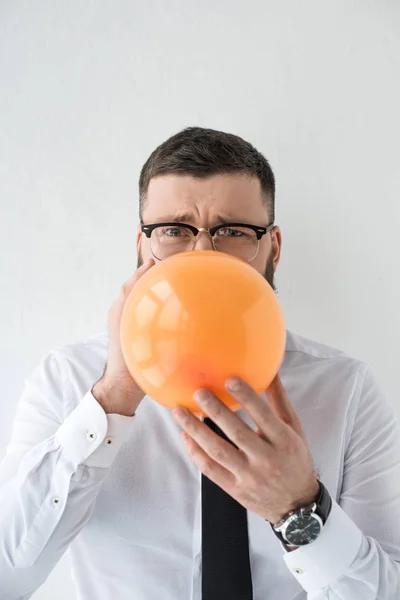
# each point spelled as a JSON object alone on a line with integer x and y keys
{"x": 269, "y": 273}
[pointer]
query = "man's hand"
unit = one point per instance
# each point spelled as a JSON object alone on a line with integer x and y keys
{"x": 116, "y": 391}
{"x": 271, "y": 472}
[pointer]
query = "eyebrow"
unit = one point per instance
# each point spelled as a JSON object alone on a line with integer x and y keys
{"x": 177, "y": 217}
{"x": 189, "y": 218}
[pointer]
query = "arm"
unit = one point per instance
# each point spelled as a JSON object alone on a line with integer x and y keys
{"x": 358, "y": 553}
{"x": 58, "y": 458}
{"x": 50, "y": 477}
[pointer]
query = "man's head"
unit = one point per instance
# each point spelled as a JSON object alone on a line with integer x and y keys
{"x": 206, "y": 178}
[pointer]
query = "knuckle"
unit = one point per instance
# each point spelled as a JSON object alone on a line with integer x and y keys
{"x": 275, "y": 471}
{"x": 113, "y": 310}
{"x": 283, "y": 440}
{"x": 216, "y": 408}
{"x": 240, "y": 436}
{"x": 290, "y": 446}
{"x": 206, "y": 467}
{"x": 125, "y": 288}
{"x": 254, "y": 497}
{"x": 111, "y": 313}
{"x": 239, "y": 491}
{"x": 217, "y": 453}
{"x": 287, "y": 451}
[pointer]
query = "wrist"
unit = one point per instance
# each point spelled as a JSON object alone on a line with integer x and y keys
{"x": 302, "y": 502}
{"x": 115, "y": 400}
{"x": 303, "y": 525}
{"x": 309, "y": 498}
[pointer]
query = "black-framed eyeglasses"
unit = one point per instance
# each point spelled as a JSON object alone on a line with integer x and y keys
{"x": 239, "y": 239}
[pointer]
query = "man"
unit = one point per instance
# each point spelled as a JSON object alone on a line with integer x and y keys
{"x": 95, "y": 466}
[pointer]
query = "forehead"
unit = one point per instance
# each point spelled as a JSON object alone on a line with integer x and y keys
{"x": 234, "y": 196}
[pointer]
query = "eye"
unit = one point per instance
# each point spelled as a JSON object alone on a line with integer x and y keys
{"x": 171, "y": 231}
{"x": 230, "y": 232}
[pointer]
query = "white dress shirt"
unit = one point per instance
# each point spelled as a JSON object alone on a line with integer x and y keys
{"x": 124, "y": 497}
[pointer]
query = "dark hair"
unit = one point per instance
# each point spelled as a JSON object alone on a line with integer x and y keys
{"x": 204, "y": 152}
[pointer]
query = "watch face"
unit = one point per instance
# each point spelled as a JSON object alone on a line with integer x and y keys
{"x": 303, "y": 530}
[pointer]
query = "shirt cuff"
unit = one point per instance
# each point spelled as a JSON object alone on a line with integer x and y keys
{"x": 91, "y": 437}
{"x": 319, "y": 564}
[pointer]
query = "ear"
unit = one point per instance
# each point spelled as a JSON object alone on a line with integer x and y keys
{"x": 138, "y": 238}
{"x": 276, "y": 246}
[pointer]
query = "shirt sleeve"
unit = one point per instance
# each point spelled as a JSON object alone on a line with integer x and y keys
{"x": 357, "y": 554}
{"x": 50, "y": 477}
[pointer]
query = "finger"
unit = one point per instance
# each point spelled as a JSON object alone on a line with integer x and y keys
{"x": 270, "y": 425}
{"x": 216, "y": 448}
{"x": 239, "y": 432}
{"x": 209, "y": 467}
{"x": 279, "y": 402}
{"x": 115, "y": 312}
{"x": 129, "y": 283}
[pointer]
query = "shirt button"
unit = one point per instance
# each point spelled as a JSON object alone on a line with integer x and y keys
{"x": 108, "y": 441}
{"x": 91, "y": 435}
{"x": 56, "y": 501}
{"x": 298, "y": 571}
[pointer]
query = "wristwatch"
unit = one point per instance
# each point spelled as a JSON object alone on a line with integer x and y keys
{"x": 303, "y": 526}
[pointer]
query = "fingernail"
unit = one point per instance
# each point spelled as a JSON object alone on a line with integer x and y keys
{"x": 180, "y": 414}
{"x": 201, "y": 396}
{"x": 233, "y": 384}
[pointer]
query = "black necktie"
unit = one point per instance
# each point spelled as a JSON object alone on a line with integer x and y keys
{"x": 226, "y": 571}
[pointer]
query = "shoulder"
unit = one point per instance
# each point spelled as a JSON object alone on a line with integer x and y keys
{"x": 89, "y": 350}
{"x": 306, "y": 347}
{"x": 322, "y": 367}
{"x": 302, "y": 350}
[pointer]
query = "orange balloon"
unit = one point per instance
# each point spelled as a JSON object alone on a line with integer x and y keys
{"x": 191, "y": 324}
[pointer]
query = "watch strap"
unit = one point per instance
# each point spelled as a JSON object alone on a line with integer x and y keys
{"x": 323, "y": 502}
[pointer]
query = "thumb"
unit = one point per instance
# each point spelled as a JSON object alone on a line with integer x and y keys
{"x": 115, "y": 312}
